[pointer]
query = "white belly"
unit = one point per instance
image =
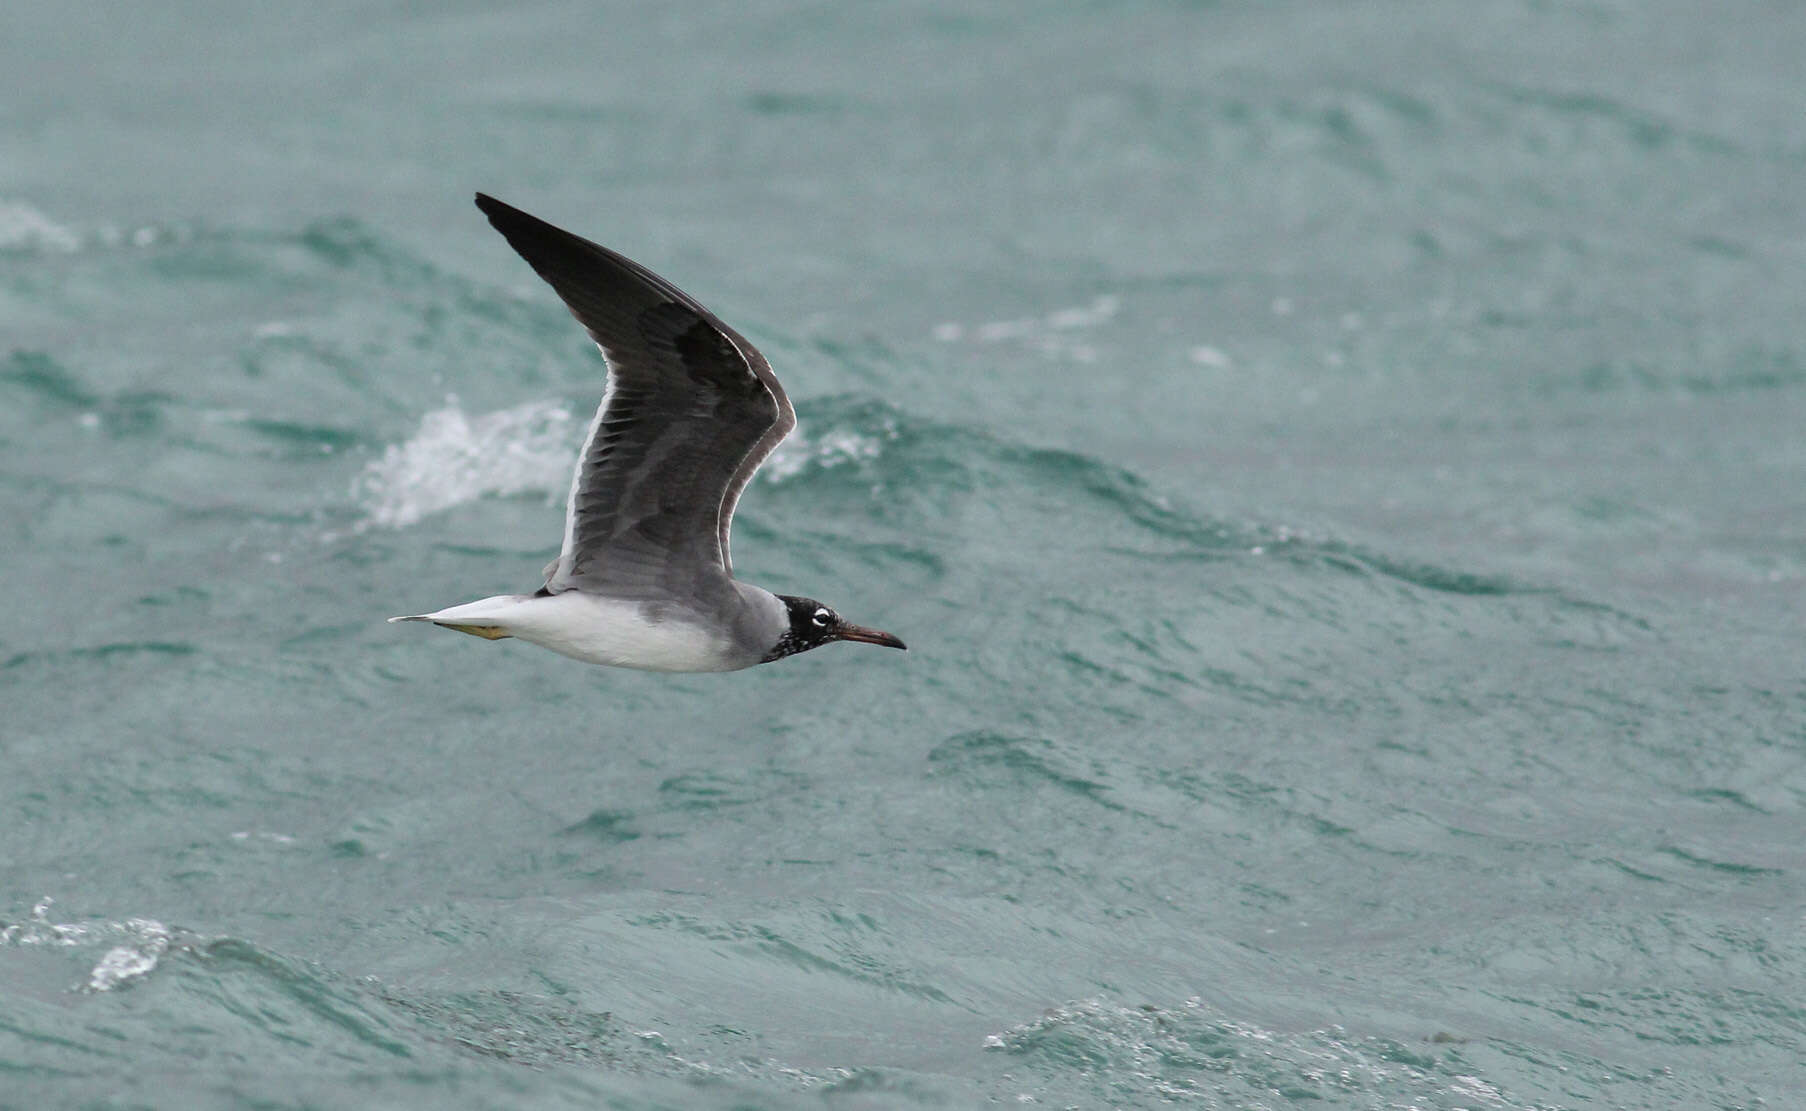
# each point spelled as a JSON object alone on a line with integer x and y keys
{"x": 602, "y": 631}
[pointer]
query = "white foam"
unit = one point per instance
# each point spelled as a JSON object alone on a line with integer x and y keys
{"x": 799, "y": 452}
{"x": 1048, "y": 334}
{"x": 124, "y": 963}
{"x": 1099, "y": 311}
{"x": 138, "y": 944}
{"x": 276, "y": 838}
{"x": 454, "y": 459}
{"x": 1157, "y": 1050}
{"x": 1205, "y": 355}
{"x": 40, "y": 930}
{"x": 24, "y": 228}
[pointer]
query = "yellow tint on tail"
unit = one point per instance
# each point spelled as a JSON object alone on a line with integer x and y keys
{"x": 487, "y": 632}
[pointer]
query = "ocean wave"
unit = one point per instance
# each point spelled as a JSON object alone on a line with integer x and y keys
{"x": 1052, "y": 334}
{"x": 1194, "y": 1053}
{"x": 859, "y": 457}
{"x": 455, "y": 458}
{"x": 134, "y": 946}
{"x": 919, "y": 464}
{"x": 27, "y": 229}
{"x": 836, "y": 447}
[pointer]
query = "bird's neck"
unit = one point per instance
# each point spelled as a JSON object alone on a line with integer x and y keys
{"x": 763, "y": 616}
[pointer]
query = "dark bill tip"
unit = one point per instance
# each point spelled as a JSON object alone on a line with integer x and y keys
{"x": 869, "y": 636}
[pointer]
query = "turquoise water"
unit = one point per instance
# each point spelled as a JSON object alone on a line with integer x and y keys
{"x": 1338, "y": 469}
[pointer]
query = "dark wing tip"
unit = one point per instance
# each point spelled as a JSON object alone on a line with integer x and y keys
{"x": 586, "y": 275}
{"x": 507, "y": 219}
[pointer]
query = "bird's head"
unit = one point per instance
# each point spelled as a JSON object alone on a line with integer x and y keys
{"x": 813, "y": 625}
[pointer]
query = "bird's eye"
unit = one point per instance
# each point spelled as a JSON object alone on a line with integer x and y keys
{"x": 821, "y": 618}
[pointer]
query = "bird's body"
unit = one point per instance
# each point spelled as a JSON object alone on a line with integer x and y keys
{"x": 620, "y": 633}
{"x": 691, "y": 410}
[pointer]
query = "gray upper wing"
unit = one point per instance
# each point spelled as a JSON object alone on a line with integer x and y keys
{"x": 690, "y": 411}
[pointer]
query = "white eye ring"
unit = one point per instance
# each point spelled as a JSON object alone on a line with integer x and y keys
{"x": 821, "y": 618}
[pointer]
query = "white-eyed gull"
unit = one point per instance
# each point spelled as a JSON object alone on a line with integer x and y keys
{"x": 689, "y": 412}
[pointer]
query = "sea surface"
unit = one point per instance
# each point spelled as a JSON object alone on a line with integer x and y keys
{"x": 1340, "y": 470}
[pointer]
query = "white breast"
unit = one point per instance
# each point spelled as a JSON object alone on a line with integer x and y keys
{"x": 604, "y": 631}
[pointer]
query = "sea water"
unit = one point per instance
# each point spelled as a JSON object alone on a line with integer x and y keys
{"x": 1338, "y": 469}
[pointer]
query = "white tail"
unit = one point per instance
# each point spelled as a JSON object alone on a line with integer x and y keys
{"x": 485, "y": 617}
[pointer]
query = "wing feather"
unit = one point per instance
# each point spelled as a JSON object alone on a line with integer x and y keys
{"x": 690, "y": 411}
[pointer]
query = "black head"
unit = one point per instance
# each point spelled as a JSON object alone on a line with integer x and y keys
{"x": 813, "y": 625}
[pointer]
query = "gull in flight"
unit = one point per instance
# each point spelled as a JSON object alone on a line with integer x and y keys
{"x": 689, "y": 412}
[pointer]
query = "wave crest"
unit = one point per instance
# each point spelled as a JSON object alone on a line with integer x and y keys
{"x": 454, "y": 458}
{"x": 134, "y": 946}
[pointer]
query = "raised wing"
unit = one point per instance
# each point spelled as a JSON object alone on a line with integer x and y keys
{"x": 690, "y": 411}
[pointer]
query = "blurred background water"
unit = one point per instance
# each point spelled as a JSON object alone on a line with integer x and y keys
{"x": 1338, "y": 469}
